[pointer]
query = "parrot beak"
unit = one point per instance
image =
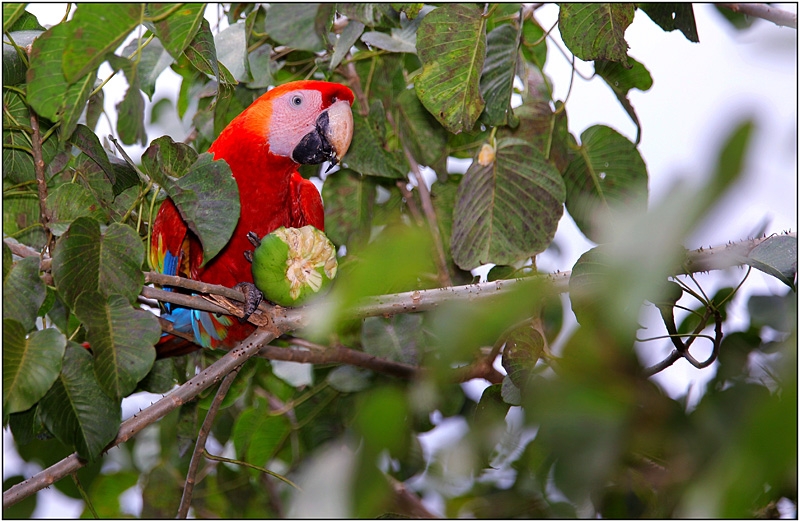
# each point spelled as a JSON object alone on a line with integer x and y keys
{"x": 330, "y": 138}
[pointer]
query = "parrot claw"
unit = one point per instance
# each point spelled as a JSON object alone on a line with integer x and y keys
{"x": 253, "y": 298}
{"x": 253, "y": 238}
{"x": 248, "y": 255}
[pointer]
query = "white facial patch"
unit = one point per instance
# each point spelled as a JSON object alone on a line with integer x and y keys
{"x": 294, "y": 115}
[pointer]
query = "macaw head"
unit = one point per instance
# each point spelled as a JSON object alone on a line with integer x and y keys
{"x": 308, "y": 122}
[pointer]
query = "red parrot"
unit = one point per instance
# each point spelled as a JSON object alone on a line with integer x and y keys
{"x": 304, "y": 122}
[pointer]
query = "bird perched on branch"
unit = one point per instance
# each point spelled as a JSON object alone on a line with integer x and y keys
{"x": 304, "y": 122}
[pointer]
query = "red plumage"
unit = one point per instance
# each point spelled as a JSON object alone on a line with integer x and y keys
{"x": 264, "y": 145}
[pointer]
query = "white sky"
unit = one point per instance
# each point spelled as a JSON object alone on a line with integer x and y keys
{"x": 700, "y": 93}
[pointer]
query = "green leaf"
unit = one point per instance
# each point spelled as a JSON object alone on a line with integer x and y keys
{"x": 202, "y": 53}
{"x": 261, "y": 67}
{"x": 534, "y": 43}
{"x": 178, "y": 30}
{"x": 130, "y": 123}
{"x": 208, "y": 200}
{"x": 443, "y": 197}
{"x": 292, "y": 24}
{"x": 400, "y": 40}
{"x": 419, "y": 130}
{"x": 30, "y": 364}
{"x": 153, "y": 59}
{"x": 381, "y": 420}
{"x": 367, "y": 154}
{"x": 776, "y": 311}
{"x": 76, "y": 410}
{"x": 590, "y": 280}
{"x": 523, "y": 348}
{"x": 257, "y": 434}
{"x": 86, "y": 261}
{"x": 507, "y": 209}
{"x": 97, "y": 29}
{"x": 621, "y": 80}
{"x": 89, "y": 144}
{"x": 231, "y": 45}
{"x": 349, "y": 379}
{"x": 23, "y": 292}
{"x": 21, "y": 220}
{"x": 75, "y": 104}
{"x": 122, "y": 338}
{"x": 497, "y": 79}
{"x": 596, "y": 31}
{"x": 71, "y": 201}
{"x": 348, "y": 202}
{"x": 345, "y": 42}
{"x": 17, "y": 156}
{"x": 670, "y": 16}
{"x": 166, "y": 160}
{"x": 777, "y": 256}
{"x": 607, "y": 176}
{"x": 14, "y": 68}
{"x": 397, "y": 338}
{"x": 48, "y": 91}
{"x": 451, "y": 43}
{"x": 11, "y": 13}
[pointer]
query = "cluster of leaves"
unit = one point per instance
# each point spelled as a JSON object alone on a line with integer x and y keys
{"x": 430, "y": 84}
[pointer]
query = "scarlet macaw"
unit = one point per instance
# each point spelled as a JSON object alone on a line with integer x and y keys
{"x": 304, "y": 122}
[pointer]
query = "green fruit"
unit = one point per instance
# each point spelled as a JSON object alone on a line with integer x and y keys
{"x": 292, "y": 265}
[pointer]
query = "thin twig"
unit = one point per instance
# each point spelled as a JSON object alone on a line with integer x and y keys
{"x": 200, "y": 445}
{"x": 777, "y": 16}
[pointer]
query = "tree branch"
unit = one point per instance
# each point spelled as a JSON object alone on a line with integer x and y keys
{"x": 130, "y": 427}
{"x": 777, "y": 16}
{"x": 200, "y": 445}
{"x": 38, "y": 167}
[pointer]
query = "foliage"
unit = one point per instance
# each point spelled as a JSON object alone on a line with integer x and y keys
{"x": 597, "y": 436}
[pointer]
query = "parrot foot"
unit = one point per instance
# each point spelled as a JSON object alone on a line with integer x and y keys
{"x": 253, "y": 298}
{"x": 253, "y": 238}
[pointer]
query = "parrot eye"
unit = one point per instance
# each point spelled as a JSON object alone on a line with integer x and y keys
{"x": 297, "y": 100}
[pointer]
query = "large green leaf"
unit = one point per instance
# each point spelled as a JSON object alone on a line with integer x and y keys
{"x": 507, "y": 209}
{"x": 21, "y": 220}
{"x": 178, "y": 29}
{"x": 122, "y": 339}
{"x": 130, "y": 111}
{"x": 497, "y": 79}
{"x": 76, "y": 410}
{"x": 293, "y": 25}
{"x": 87, "y": 261}
{"x": 30, "y": 364}
{"x": 17, "y": 156}
{"x": 231, "y": 45}
{"x": 596, "y": 31}
{"x": 203, "y": 190}
{"x": 23, "y": 292}
{"x": 70, "y": 201}
{"x": 368, "y": 154}
{"x": 451, "y": 43}
{"x": 256, "y": 434}
{"x": 97, "y": 29}
{"x": 348, "y": 202}
{"x": 347, "y": 38}
{"x": 672, "y": 15}
{"x": 208, "y": 200}
{"x": 607, "y": 176}
{"x": 420, "y": 131}
{"x": 49, "y": 93}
